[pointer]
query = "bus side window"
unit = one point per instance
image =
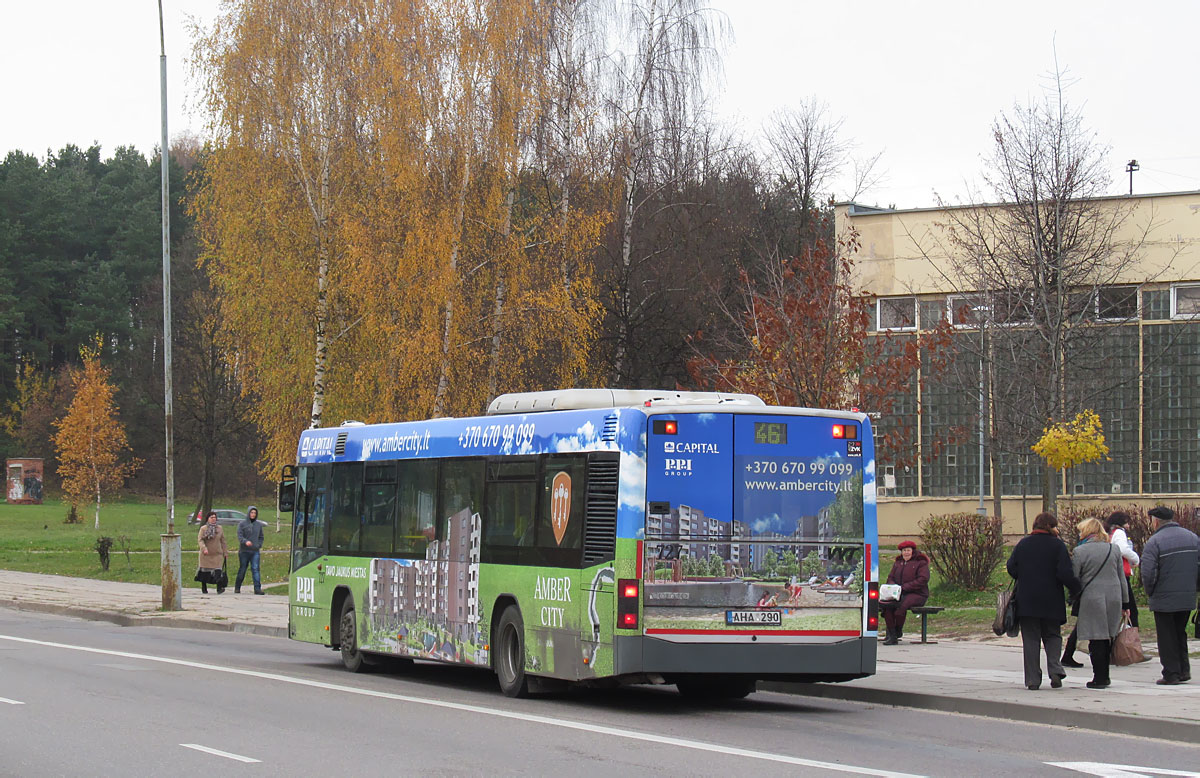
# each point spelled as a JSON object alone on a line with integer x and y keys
{"x": 345, "y": 518}
{"x": 415, "y": 527}
{"x": 509, "y": 522}
{"x": 309, "y": 517}
{"x": 379, "y": 510}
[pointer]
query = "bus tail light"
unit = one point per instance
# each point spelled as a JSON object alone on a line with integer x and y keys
{"x": 873, "y": 605}
{"x": 628, "y": 590}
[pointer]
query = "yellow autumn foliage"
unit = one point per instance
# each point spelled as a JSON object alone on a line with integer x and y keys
{"x": 1072, "y": 443}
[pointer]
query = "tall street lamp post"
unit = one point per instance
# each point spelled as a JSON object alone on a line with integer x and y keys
{"x": 981, "y": 315}
{"x": 171, "y": 559}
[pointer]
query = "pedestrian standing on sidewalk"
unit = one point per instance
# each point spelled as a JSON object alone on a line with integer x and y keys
{"x": 1041, "y": 567}
{"x": 250, "y": 543}
{"x": 1170, "y": 569}
{"x": 213, "y": 553}
{"x": 1097, "y": 564}
{"x": 911, "y": 573}
{"x": 1129, "y": 558}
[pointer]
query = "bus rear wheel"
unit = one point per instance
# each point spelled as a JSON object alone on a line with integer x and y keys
{"x": 353, "y": 658}
{"x": 710, "y": 688}
{"x": 510, "y": 653}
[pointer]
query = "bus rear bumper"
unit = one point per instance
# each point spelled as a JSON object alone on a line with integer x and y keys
{"x": 802, "y": 662}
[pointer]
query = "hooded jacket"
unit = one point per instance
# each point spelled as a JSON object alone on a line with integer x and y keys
{"x": 251, "y": 531}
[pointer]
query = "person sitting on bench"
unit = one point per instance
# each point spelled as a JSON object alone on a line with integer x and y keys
{"x": 911, "y": 573}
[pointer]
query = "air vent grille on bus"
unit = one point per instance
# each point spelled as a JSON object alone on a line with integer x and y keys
{"x": 600, "y": 512}
{"x": 339, "y": 446}
{"x": 609, "y": 434}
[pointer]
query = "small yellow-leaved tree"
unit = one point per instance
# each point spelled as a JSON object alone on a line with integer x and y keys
{"x": 91, "y": 441}
{"x": 1072, "y": 443}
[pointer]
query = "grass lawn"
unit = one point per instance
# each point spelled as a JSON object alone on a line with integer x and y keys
{"x": 33, "y": 538}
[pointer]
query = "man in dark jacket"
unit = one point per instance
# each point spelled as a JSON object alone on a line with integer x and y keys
{"x": 1042, "y": 567}
{"x": 1170, "y": 570}
{"x": 250, "y": 543}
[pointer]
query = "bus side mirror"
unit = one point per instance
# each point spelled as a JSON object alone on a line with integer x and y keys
{"x": 287, "y": 489}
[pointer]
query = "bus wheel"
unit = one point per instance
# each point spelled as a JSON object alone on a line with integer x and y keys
{"x": 510, "y": 653}
{"x": 354, "y": 659}
{"x": 701, "y": 688}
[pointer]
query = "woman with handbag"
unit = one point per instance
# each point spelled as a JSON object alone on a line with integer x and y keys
{"x": 1115, "y": 524}
{"x": 1097, "y": 563}
{"x": 213, "y": 552}
{"x": 1042, "y": 567}
{"x": 911, "y": 573}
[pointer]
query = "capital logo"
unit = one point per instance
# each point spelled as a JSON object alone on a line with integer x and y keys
{"x": 669, "y": 447}
{"x": 560, "y": 505}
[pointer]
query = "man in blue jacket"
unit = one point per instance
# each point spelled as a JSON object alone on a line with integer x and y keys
{"x": 250, "y": 543}
{"x": 1170, "y": 572}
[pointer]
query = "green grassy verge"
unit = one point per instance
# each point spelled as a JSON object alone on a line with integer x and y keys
{"x": 33, "y": 538}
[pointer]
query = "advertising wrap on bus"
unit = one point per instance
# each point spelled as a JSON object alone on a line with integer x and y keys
{"x": 754, "y": 522}
{"x": 674, "y": 544}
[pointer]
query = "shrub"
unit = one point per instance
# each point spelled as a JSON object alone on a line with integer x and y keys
{"x": 72, "y": 515}
{"x": 103, "y": 544}
{"x": 1139, "y": 528}
{"x": 964, "y": 547}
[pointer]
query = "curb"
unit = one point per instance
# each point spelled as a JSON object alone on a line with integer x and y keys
{"x": 129, "y": 620}
{"x": 1138, "y": 726}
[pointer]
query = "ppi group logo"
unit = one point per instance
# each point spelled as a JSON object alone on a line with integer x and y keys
{"x": 678, "y": 466}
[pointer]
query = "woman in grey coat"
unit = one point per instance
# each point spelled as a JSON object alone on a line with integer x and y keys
{"x": 1097, "y": 565}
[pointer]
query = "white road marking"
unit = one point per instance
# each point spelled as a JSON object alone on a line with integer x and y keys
{"x": 215, "y": 752}
{"x": 11, "y": 702}
{"x": 1119, "y": 770}
{"x": 592, "y": 729}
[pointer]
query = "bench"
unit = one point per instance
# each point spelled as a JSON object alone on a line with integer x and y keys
{"x": 924, "y": 611}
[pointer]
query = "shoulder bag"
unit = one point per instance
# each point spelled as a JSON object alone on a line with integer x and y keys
{"x": 1006, "y": 622}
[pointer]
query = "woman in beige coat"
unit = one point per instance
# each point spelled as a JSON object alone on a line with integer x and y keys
{"x": 213, "y": 552}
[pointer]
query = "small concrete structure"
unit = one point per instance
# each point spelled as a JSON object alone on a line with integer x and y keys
{"x": 24, "y": 480}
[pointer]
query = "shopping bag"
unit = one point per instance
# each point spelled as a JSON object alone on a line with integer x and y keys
{"x": 1005, "y": 622}
{"x": 1127, "y": 648}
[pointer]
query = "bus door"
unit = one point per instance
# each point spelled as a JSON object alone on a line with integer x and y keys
{"x": 309, "y": 605}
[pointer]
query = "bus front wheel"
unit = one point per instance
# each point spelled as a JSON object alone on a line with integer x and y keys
{"x": 510, "y": 653}
{"x": 353, "y": 658}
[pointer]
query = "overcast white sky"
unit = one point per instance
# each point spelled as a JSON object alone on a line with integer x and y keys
{"x": 919, "y": 82}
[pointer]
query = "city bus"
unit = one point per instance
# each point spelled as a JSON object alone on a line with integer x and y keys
{"x": 596, "y": 537}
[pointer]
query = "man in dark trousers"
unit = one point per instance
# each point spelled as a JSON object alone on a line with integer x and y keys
{"x": 250, "y": 542}
{"x": 1170, "y": 571}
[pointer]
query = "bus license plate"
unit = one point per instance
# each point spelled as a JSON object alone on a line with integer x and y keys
{"x": 754, "y": 618}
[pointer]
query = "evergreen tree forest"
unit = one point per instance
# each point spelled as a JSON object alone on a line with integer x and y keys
{"x": 401, "y": 210}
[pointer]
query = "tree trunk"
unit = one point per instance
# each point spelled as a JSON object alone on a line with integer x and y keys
{"x": 498, "y": 304}
{"x": 443, "y": 385}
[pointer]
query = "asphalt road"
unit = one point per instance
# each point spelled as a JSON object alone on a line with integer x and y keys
{"x": 90, "y": 698}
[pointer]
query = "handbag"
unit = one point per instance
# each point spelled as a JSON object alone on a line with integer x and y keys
{"x": 221, "y": 577}
{"x": 889, "y": 593}
{"x": 1006, "y": 622}
{"x": 1127, "y": 648}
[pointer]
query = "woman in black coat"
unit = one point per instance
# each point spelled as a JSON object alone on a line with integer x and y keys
{"x": 1042, "y": 567}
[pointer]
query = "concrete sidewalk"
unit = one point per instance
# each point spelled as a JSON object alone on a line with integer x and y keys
{"x": 980, "y": 678}
{"x": 132, "y": 604}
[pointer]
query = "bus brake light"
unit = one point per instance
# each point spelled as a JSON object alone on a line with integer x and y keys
{"x": 628, "y": 601}
{"x": 629, "y": 590}
{"x": 629, "y": 621}
{"x": 839, "y": 430}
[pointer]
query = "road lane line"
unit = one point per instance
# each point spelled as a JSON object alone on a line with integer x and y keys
{"x": 215, "y": 752}
{"x": 11, "y": 702}
{"x": 592, "y": 729}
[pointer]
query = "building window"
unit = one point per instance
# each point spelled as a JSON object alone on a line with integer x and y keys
{"x": 897, "y": 313}
{"x": 1185, "y": 301}
{"x": 1117, "y": 303}
{"x": 964, "y": 310}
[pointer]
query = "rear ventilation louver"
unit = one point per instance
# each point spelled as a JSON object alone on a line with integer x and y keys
{"x": 339, "y": 447}
{"x": 600, "y": 511}
{"x": 609, "y": 434}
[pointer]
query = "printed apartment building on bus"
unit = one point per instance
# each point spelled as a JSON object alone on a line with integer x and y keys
{"x": 442, "y": 589}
